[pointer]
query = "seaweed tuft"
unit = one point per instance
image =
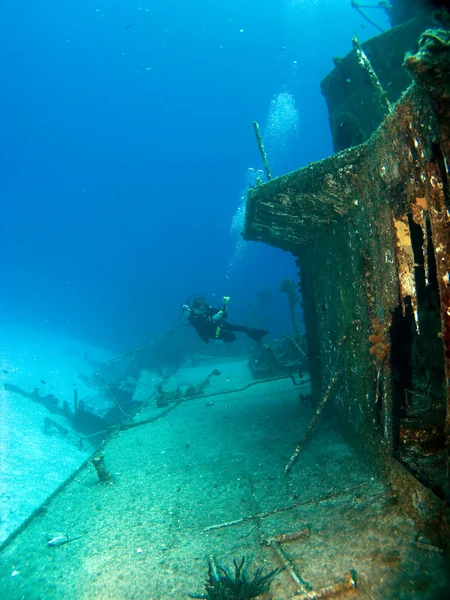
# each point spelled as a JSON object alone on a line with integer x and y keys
{"x": 220, "y": 585}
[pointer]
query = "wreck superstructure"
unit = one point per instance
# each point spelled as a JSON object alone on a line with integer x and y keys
{"x": 369, "y": 228}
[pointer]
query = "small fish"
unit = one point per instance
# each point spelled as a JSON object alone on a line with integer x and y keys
{"x": 283, "y": 48}
{"x": 129, "y": 25}
{"x": 59, "y": 540}
{"x": 5, "y": 371}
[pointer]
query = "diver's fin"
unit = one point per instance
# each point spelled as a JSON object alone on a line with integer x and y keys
{"x": 256, "y": 334}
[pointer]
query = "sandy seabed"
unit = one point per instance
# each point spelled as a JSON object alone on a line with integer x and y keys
{"x": 33, "y": 462}
{"x": 215, "y": 460}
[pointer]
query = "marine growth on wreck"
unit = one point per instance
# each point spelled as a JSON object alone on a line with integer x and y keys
{"x": 285, "y": 437}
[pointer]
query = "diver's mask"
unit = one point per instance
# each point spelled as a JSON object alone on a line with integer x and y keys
{"x": 198, "y": 311}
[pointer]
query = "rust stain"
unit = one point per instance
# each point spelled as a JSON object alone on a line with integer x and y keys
{"x": 422, "y": 202}
{"x": 402, "y": 231}
{"x": 405, "y": 260}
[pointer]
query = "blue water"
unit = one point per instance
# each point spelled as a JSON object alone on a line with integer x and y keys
{"x": 125, "y": 149}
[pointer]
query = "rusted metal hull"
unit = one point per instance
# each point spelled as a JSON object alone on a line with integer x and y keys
{"x": 370, "y": 229}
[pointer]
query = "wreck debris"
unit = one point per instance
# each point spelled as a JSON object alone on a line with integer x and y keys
{"x": 358, "y": 8}
{"x": 279, "y": 358}
{"x": 49, "y": 424}
{"x": 330, "y": 496}
{"x": 313, "y": 421}
{"x": 364, "y": 62}
{"x": 304, "y": 588}
{"x": 82, "y": 420}
{"x": 107, "y": 387}
{"x": 195, "y": 391}
{"x": 424, "y": 544}
{"x": 262, "y": 150}
{"x": 175, "y": 399}
{"x": 293, "y": 341}
{"x": 161, "y": 398}
{"x": 100, "y": 467}
{"x": 287, "y": 564}
{"x": 283, "y": 538}
{"x": 347, "y": 585}
{"x": 60, "y": 539}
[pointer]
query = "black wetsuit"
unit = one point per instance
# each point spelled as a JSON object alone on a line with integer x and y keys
{"x": 208, "y": 329}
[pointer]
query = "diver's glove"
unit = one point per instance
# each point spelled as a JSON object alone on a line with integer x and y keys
{"x": 219, "y": 316}
{"x": 186, "y": 307}
{"x": 226, "y": 299}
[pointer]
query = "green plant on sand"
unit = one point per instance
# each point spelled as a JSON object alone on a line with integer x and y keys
{"x": 220, "y": 585}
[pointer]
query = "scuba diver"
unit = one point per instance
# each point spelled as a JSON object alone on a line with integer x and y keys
{"x": 210, "y": 322}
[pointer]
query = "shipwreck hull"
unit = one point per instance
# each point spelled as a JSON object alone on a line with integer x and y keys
{"x": 369, "y": 227}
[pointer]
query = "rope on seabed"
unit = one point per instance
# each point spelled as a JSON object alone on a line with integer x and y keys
{"x": 292, "y": 339}
{"x": 234, "y": 391}
{"x": 319, "y": 409}
{"x": 329, "y": 496}
{"x": 100, "y": 374}
{"x": 313, "y": 421}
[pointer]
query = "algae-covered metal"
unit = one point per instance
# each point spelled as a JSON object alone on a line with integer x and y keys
{"x": 363, "y": 84}
{"x": 370, "y": 229}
